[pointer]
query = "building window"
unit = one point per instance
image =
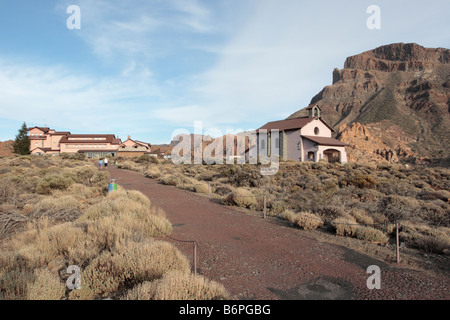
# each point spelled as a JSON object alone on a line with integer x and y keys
{"x": 311, "y": 156}
{"x": 316, "y": 131}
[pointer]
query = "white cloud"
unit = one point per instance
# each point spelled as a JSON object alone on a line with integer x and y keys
{"x": 57, "y": 96}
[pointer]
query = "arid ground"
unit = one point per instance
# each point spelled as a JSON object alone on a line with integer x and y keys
{"x": 257, "y": 258}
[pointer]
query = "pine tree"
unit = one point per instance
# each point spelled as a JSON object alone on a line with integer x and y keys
{"x": 21, "y": 145}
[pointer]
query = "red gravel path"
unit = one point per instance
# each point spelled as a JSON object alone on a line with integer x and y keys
{"x": 256, "y": 258}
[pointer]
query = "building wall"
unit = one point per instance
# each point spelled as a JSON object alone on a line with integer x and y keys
{"x": 308, "y": 130}
{"x": 293, "y": 145}
{"x": 94, "y": 145}
{"x": 309, "y": 146}
{"x": 129, "y": 143}
{"x": 343, "y": 153}
{"x": 37, "y": 143}
{"x": 130, "y": 154}
{"x": 54, "y": 142}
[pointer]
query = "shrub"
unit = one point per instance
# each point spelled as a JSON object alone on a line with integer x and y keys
{"x": 65, "y": 208}
{"x": 131, "y": 264}
{"x": 177, "y": 285}
{"x": 85, "y": 174}
{"x": 288, "y": 215}
{"x": 345, "y": 227}
{"x": 73, "y": 156}
{"x": 125, "y": 215}
{"x": 432, "y": 244}
{"x": 222, "y": 190}
{"x": 370, "y": 234}
{"x": 100, "y": 178}
{"x": 145, "y": 158}
{"x": 308, "y": 221}
{"x": 242, "y": 198}
{"x": 53, "y": 182}
{"x": 360, "y": 180}
{"x": 276, "y": 206}
{"x": 396, "y": 207}
{"x": 361, "y": 216}
{"x": 46, "y": 286}
{"x": 14, "y": 284}
{"x": 201, "y": 188}
{"x": 9, "y": 191}
{"x": 153, "y": 172}
{"x": 173, "y": 180}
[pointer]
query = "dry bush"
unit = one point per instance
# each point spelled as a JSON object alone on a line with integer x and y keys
{"x": 241, "y": 197}
{"x": 11, "y": 220}
{"x": 124, "y": 215}
{"x": 176, "y": 285}
{"x": 145, "y": 159}
{"x": 222, "y": 189}
{"x": 14, "y": 284}
{"x": 54, "y": 182}
{"x": 422, "y": 236}
{"x": 202, "y": 188}
{"x": 46, "y": 286}
{"x": 173, "y": 180}
{"x": 48, "y": 243}
{"x": 131, "y": 264}
{"x": 133, "y": 195}
{"x": 275, "y": 206}
{"x": 153, "y": 172}
{"x": 371, "y": 234}
{"x": 129, "y": 165}
{"x": 396, "y": 207}
{"x": 83, "y": 192}
{"x": 345, "y": 227}
{"x": 64, "y": 208}
{"x": 361, "y": 216}
{"x": 288, "y": 215}
{"x": 432, "y": 244}
{"x": 359, "y": 179}
{"x": 100, "y": 179}
{"x": 307, "y": 220}
{"x": 9, "y": 191}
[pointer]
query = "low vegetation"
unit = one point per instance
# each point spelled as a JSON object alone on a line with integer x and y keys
{"x": 57, "y": 212}
{"x": 362, "y": 201}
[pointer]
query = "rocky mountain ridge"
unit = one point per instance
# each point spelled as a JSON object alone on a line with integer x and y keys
{"x": 400, "y": 93}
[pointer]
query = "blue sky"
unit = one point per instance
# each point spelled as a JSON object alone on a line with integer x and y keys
{"x": 145, "y": 68}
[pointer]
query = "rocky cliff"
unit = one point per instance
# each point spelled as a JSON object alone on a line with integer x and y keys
{"x": 399, "y": 93}
{"x": 6, "y": 148}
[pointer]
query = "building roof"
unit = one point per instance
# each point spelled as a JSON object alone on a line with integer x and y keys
{"x": 97, "y": 150}
{"x": 43, "y": 149}
{"x": 43, "y": 129}
{"x": 323, "y": 141}
{"x": 291, "y": 124}
{"x": 137, "y": 143}
{"x": 311, "y": 106}
{"x": 288, "y": 124}
{"x": 76, "y": 138}
{"x": 60, "y": 133}
{"x": 143, "y": 143}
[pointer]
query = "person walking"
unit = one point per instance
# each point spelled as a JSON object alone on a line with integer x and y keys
{"x": 100, "y": 163}
{"x": 106, "y": 163}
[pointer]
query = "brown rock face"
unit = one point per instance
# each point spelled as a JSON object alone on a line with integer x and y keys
{"x": 6, "y": 148}
{"x": 364, "y": 146}
{"x": 400, "y": 93}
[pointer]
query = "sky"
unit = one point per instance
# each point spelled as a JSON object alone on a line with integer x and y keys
{"x": 148, "y": 68}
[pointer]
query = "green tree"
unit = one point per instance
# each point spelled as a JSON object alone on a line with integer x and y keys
{"x": 22, "y": 143}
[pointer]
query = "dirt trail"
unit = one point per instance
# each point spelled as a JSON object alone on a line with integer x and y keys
{"x": 256, "y": 258}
